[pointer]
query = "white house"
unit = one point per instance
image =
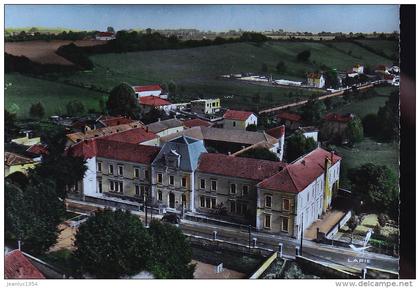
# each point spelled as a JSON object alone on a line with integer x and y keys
{"x": 234, "y": 119}
{"x": 105, "y": 36}
{"x": 166, "y": 127}
{"x": 359, "y": 69}
{"x": 148, "y": 90}
{"x": 316, "y": 80}
{"x": 310, "y": 132}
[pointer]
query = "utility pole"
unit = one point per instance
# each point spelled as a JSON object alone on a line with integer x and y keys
{"x": 145, "y": 210}
{"x": 249, "y": 237}
{"x": 301, "y": 238}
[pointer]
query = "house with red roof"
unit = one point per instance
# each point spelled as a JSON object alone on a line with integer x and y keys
{"x": 295, "y": 197}
{"x": 229, "y": 183}
{"x": 291, "y": 120}
{"x": 18, "y": 266}
{"x": 105, "y": 36}
{"x": 196, "y": 123}
{"x": 147, "y": 90}
{"x": 236, "y": 119}
{"x": 147, "y": 103}
{"x": 108, "y": 121}
{"x": 334, "y": 127}
{"x": 315, "y": 79}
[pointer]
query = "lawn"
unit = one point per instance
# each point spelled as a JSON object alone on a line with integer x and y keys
{"x": 22, "y": 91}
{"x": 367, "y": 151}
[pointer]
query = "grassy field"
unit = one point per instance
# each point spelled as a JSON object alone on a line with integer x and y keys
{"x": 364, "y": 57}
{"x": 368, "y": 151}
{"x": 22, "y": 91}
{"x": 386, "y": 46}
{"x": 371, "y": 105}
{"x": 195, "y": 73}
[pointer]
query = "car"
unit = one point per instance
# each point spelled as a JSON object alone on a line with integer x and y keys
{"x": 171, "y": 218}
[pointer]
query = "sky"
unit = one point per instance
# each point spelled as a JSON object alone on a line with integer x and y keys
{"x": 304, "y": 18}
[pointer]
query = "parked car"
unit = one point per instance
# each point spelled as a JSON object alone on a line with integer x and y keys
{"x": 171, "y": 218}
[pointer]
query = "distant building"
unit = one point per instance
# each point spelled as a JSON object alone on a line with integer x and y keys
{"x": 18, "y": 266}
{"x": 196, "y": 122}
{"x": 310, "y": 132}
{"x": 278, "y": 133}
{"x": 315, "y": 80}
{"x": 205, "y": 106}
{"x": 147, "y": 103}
{"x": 105, "y": 36}
{"x": 147, "y": 90}
{"x": 166, "y": 127}
{"x": 359, "y": 69}
{"x": 334, "y": 126}
{"x": 108, "y": 121}
{"x": 17, "y": 163}
{"x": 291, "y": 120}
{"x": 235, "y": 119}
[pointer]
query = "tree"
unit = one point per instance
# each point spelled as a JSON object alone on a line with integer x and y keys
{"x": 371, "y": 125}
{"x": 352, "y": 223}
{"x": 113, "y": 244}
{"x": 251, "y": 127}
{"x": 259, "y": 153}
{"x": 331, "y": 79}
{"x": 313, "y": 111}
{"x": 172, "y": 88}
{"x": 303, "y": 56}
{"x": 376, "y": 186}
{"x": 75, "y": 108}
{"x": 122, "y": 101}
{"x": 32, "y": 214}
{"x": 297, "y": 145}
{"x": 37, "y": 111}
{"x": 110, "y": 29}
{"x": 389, "y": 117}
{"x": 171, "y": 252}
{"x": 354, "y": 130}
{"x": 153, "y": 116}
{"x": 10, "y": 127}
{"x": 281, "y": 67}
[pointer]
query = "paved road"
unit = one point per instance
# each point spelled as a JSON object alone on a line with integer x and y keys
{"x": 320, "y": 252}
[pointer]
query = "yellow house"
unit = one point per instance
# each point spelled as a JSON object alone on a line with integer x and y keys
{"x": 17, "y": 163}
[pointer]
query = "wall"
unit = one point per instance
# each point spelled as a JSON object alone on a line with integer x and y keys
{"x": 323, "y": 271}
{"x": 170, "y": 131}
{"x": 89, "y": 180}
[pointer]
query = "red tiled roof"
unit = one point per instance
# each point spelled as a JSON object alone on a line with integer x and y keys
{"x": 335, "y": 117}
{"x": 38, "y": 149}
{"x": 196, "y": 122}
{"x": 105, "y": 34}
{"x": 126, "y": 151}
{"x": 123, "y": 151}
{"x": 134, "y": 136}
{"x": 153, "y": 101}
{"x": 289, "y": 116}
{"x": 295, "y": 177}
{"x": 115, "y": 120}
{"x": 147, "y": 88}
{"x": 237, "y": 115}
{"x": 17, "y": 266}
{"x": 276, "y": 132}
{"x": 241, "y": 167}
{"x": 314, "y": 75}
{"x": 389, "y": 77}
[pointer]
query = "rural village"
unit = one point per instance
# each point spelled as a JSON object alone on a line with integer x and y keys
{"x": 265, "y": 178}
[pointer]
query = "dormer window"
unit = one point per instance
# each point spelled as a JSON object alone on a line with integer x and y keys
{"x": 172, "y": 159}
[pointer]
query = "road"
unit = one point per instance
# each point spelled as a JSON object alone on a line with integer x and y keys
{"x": 328, "y": 254}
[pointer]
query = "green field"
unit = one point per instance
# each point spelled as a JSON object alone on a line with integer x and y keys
{"x": 386, "y": 46}
{"x": 194, "y": 71}
{"x": 364, "y": 56}
{"x": 368, "y": 151}
{"x": 22, "y": 91}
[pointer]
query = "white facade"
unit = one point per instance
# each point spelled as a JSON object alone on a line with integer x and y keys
{"x": 359, "y": 69}
{"x": 311, "y": 134}
{"x": 205, "y": 106}
{"x": 169, "y": 131}
{"x": 239, "y": 124}
{"x": 89, "y": 180}
{"x": 149, "y": 93}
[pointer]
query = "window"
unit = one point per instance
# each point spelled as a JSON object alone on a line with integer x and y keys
{"x": 213, "y": 104}
{"x": 121, "y": 187}
{"x": 99, "y": 167}
{"x": 207, "y": 202}
{"x": 171, "y": 180}
{"x": 116, "y": 186}
{"x": 232, "y": 207}
{"x": 111, "y": 169}
{"x": 136, "y": 172}
{"x": 159, "y": 177}
{"x": 100, "y": 186}
{"x": 268, "y": 201}
{"x": 307, "y": 196}
{"x": 137, "y": 190}
{"x": 267, "y": 221}
{"x": 120, "y": 170}
{"x": 146, "y": 174}
{"x": 203, "y": 184}
{"x": 213, "y": 203}
{"x": 159, "y": 195}
{"x": 202, "y": 201}
{"x": 234, "y": 124}
{"x": 245, "y": 189}
{"x": 111, "y": 185}
{"x": 284, "y": 224}
{"x": 184, "y": 181}
{"x": 213, "y": 185}
{"x": 233, "y": 188}
{"x": 286, "y": 204}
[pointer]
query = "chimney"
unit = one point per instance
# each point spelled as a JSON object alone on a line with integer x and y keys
{"x": 332, "y": 155}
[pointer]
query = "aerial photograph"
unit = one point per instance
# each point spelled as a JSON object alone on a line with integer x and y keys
{"x": 201, "y": 142}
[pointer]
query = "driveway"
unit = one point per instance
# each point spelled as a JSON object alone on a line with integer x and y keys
{"x": 324, "y": 224}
